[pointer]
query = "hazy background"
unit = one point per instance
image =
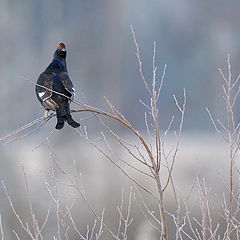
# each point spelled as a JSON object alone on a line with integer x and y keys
{"x": 193, "y": 38}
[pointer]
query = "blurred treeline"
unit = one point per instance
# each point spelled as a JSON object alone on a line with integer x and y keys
{"x": 193, "y": 39}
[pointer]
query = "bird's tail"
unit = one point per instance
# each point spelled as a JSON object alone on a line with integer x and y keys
{"x": 71, "y": 122}
{"x": 68, "y": 118}
{"x": 64, "y": 115}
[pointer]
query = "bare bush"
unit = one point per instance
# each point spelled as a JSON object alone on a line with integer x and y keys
{"x": 152, "y": 160}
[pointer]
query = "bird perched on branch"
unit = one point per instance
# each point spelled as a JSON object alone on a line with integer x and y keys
{"x": 55, "y": 90}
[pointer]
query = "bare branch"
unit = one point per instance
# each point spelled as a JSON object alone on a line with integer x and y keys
{"x": 236, "y": 82}
{"x": 139, "y": 60}
{"x": 215, "y": 126}
{"x": 145, "y": 105}
{"x": 18, "y": 238}
{"x": 162, "y": 80}
{"x": 129, "y": 151}
{"x": 1, "y": 228}
{"x": 115, "y": 111}
{"x": 126, "y": 221}
{"x": 46, "y": 217}
{"x": 147, "y": 213}
{"x": 182, "y": 111}
{"x": 223, "y": 76}
{"x": 29, "y": 133}
{"x": 135, "y": 132}
{"x": 121, "y": 169}
{"x": 30, "y": 124}
{"x": 24, "y": 227}
{"x": 45, "y": 140}
{"x": 236, "y": 96}
{"x": 74, "y": 225}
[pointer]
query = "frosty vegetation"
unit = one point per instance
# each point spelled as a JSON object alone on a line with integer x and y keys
{"x": 149, "y": 169}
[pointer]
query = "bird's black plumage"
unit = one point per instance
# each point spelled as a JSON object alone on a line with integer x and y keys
{"x": 55, "y": 90}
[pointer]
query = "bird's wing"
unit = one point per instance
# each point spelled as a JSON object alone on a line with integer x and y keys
{"x": 44, "y": 86}
{"x": 67, "y": 83}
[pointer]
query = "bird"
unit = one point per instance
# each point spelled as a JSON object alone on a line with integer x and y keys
{"x": 54, "y": 89}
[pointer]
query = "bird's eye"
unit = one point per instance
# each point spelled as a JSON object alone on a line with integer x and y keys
{"x": 61, "y": 45}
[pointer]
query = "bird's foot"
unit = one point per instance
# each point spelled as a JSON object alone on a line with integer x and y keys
{"x": 47, "y": 115}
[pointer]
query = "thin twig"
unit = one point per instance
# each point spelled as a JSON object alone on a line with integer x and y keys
{"x": 120, "y": 168}
{"x": 29, "y": 133}
{"x": 30, "y": 124}
{"x": 1, "y": 228}
{"x": 25, "y": 228}
{"x": 139, "y": 60}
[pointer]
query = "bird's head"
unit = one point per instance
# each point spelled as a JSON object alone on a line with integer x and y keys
{"x": 61, "y": 50}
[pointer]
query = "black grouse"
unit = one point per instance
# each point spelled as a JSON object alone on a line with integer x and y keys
{"x": 55, "y": 90}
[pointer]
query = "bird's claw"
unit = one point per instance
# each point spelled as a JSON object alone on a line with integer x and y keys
{"x": 47, "y": 115}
